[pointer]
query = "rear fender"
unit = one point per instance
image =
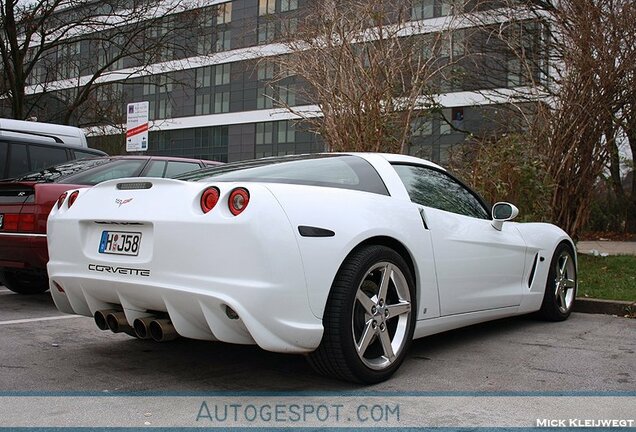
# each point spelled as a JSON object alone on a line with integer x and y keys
{"x": 355, "y": 217}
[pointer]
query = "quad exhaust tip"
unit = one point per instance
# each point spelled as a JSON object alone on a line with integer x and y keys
{"x": 100, "y": 318}
{"x": 158, "y": 329}
{"x": 117, "y": 323}
{"x": 141, "y": 327}
{"x": 162, "y": 330}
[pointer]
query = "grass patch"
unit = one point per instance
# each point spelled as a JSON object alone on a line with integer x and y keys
{"x": 609, "y": 278}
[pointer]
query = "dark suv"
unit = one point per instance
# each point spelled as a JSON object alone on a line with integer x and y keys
{"x": 22, "y": 152}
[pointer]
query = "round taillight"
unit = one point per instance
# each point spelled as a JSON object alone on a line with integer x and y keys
{"x": 209, "y": 198}
{"x": 72, "y": 198}
{"x": 61, "y": 199}
{"x": 239, "y": 198}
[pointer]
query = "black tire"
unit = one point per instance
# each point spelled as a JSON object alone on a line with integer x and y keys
{"x": 553, "y": 307}
{"x": 25, "y": 282}
{"x": 337, "y": 355}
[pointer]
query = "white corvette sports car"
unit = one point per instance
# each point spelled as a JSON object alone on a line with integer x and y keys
{"x": 344, "y": 257}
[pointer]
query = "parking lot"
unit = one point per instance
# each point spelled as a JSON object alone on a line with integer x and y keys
{"x": 43, "y": 350}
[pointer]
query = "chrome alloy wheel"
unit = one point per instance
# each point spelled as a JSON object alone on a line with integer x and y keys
{"x": 564, "y": 281}
{"x": 381, "y": 314}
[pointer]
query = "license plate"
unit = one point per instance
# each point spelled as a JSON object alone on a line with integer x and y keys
{"x": 1, "y": 220}
{"x": 120, "y": 243}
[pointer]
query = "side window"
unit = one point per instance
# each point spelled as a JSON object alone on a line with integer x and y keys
{"x": 79, "y": 154}
{"x": 432, "y": 188}
{"x": 176, "y": 168}
{"x": 45, "y": 156}
{"x": 18, "y": 160}
{"x": 157, "y": 168}
{"x": 3, "y": 158}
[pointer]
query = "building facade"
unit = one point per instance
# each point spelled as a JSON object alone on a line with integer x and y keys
{"x": 213, "y": 100}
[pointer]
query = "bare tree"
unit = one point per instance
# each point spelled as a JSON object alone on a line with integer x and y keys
{"x": 67, "y": 49}
{"x": 368, "y": 66}
{"x": 619, "y": 38}
{"x": 573, "y": 77}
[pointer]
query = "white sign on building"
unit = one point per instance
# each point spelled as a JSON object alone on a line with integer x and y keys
{"x": 137, "y": 127}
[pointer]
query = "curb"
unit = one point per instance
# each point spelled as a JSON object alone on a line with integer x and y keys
{"x": 606, "y": 307}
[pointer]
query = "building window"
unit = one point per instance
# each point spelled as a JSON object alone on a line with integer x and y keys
{"x": 288, "y": 5}
{"x": 264, "y": 140}
{"x": 265, "y": 99}
{"x": 203, "y": 77}
{"x": 221, "y": 102}
{"x": 204, "y": 44}
{"x": 266, "y": 7}
{"x": 286, "y": 132}
{"x": 164, "y": 108}
{"x": 453, "y": 79}
{"x": 109, "y": 92}
{"x": 457, "y": 117}
{"x": 202, "y": 104}
{"x": 445, "y": 125}
{"x": 158, "y": 84}
{"x": 68, "y": 60}
{"x": 458, "y": 43}
{"x": 222, "y": 74}
{"x": 266, "y": 32}
{"x": 453, "y": 118}
{"x": 264, "y": 133}
{"x": 422, "y": 127}
{"x": 514, "y": 72}
{"x": 289, "y": 26}
{"x": 224, "y": 13}
{"x": 287, "y": 94}
{"x": 223, "y": 40}
{"x": 423, "y": 9}
{"x": 206, "y": 16}
{"x": 450, "y": 7}
{"x": 265, "y": 71}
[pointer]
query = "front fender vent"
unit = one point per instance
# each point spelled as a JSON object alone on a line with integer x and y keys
{"x": 534, "y": 269}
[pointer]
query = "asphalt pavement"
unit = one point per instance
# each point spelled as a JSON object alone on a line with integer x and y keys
{"x": 44, "y": 350}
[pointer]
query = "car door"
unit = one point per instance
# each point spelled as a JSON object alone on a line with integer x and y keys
{"x": 478, "y": 267}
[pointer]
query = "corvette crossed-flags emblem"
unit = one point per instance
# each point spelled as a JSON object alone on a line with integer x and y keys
{"x": 121, "y": 202}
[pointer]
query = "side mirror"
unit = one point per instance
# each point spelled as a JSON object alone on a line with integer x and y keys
{"x": 502, "y": 212}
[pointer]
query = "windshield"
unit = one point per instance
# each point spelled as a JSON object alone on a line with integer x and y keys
{"x": 338, "y": 171}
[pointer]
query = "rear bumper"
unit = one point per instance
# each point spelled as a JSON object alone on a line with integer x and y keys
{"x": 274, "y": 316}
{"x": 190, "y": 265}
{"x": 23, "y": 251}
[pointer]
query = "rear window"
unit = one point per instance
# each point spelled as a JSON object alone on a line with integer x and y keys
{"x": 45, "y": 156}
{"x": 337, "y": 171}
{"x": 113, "y": 170}
{"x": 57, "y": 172}
{"x": 18, "y": 160}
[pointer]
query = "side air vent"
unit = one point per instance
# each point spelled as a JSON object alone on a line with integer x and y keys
{"x": 134, "y": 185}
{"x": 534, "y": 268}
{"x": 310, "y": 231}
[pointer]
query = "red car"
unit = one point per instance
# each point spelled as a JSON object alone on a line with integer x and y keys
{"x": 25, "y": 204}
